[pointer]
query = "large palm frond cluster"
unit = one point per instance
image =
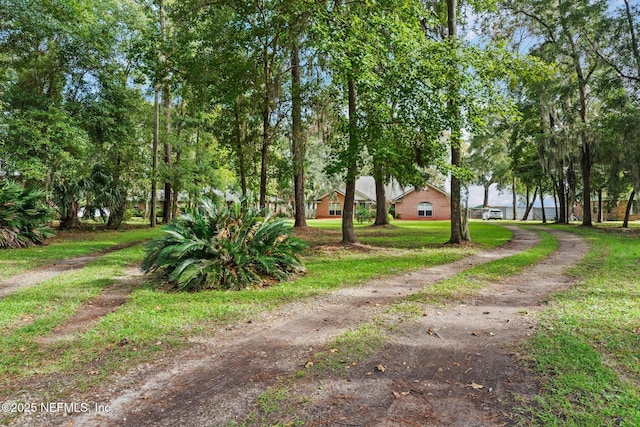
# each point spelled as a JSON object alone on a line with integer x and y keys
{"x": 233, "y": 247}
{"x": 24, "y": 216}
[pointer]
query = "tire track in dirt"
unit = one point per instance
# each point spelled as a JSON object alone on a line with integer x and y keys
{"x": 466, "y": 375}
{"x": 90, "y": 312}
{"x": 40, "y": 274}
{"x": 218, "y": 379}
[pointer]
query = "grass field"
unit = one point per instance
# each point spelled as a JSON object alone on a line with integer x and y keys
{"x": 68, "y": 244}
{"x": 155, "y": 321}
{"x": 586, "y": 351}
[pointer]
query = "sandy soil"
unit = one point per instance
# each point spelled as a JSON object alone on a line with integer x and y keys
{"x": 454, "y": 366}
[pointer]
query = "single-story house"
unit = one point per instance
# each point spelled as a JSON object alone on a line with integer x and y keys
{"x": 427, "y": 202}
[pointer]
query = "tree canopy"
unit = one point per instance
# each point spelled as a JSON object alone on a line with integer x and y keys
{"x": 155, "y": 104}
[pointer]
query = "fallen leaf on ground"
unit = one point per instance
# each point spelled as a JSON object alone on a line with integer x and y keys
{"x": 476, "y": 386}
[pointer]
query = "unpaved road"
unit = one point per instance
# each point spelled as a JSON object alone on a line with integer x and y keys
{"x": 451, "y": 367}
{"x": 55, "y": 268}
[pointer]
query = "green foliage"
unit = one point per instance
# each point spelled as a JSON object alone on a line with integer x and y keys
{"x": 225, "y": 248}
{"x": 23, "y": 216}
{"x": 363, "y": 214}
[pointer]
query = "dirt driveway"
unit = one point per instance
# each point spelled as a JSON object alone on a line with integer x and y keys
{"x": 454, "y": 366}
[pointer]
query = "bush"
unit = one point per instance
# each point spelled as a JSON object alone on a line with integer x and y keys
{"x": 128, "y": 214}
{"x": 224, "y": 248}
{"x": 24, "y": 215}
{"x": 363, "y": 214}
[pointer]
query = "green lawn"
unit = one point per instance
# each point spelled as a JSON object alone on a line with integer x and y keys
{"x": 66, "y": 244}
{"x": 586, "y": 351}
{"x": 155, "y": 321}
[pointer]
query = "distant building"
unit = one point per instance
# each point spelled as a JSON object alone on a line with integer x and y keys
{"x": 424, "y": 203}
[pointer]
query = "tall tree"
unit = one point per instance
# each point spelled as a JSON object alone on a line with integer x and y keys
{"x": 488, "y": 158}
{"x": 457, "y": 233}
{"x": 565, "y": 30}
{"x": 297, "y": 139}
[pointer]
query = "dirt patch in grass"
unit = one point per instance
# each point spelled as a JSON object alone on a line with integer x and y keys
{"x": 350, "y": 247}
{"x": 33, "y": 277}
{"x": 93, "y": 310}
{"x": 304, "y": 232}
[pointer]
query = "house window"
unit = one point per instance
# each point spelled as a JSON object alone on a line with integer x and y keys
{"x": 335, "y": 209}
{"x": 425, "y": 209}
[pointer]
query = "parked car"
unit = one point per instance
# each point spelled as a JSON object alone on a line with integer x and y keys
{"x": 492, "y": 214}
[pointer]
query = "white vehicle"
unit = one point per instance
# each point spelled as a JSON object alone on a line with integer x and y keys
{"x": 492, "y": 214}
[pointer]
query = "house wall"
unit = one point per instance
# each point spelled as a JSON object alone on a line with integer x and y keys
{"x": 617, "y": 212}
{"x": 322, "y": 208}
{"x": 408, "y": 207}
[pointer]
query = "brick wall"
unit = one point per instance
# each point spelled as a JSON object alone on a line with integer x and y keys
{"x": 408, "y": 207}
{"x": 322, "y": 208}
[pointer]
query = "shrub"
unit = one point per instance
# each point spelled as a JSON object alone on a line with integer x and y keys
{"x": 24, "y": 215}
{"x": 224, "y": 248}
{"x": 363, "y": 214}
{"x": 128, "y": 214}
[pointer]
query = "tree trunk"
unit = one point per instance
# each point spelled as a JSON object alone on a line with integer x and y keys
{"x": 562, "y": 199}
{"x": 167, "y": 207}
{"x": 70, "y": 220}
{"x": 266, "y": 115}
{"x": 175, "y": 201}
{"x": 485, "y": 202}
{"x": 627, "y": 212}
{"x": 348, "y": 231}
{"x": 297, "y": 140}
{"x": 382, "y": 218}
{"x": 174, "y": 198}
{"x": 544, "y": 214}
{"x": 585, "y": 148}
{"x": 457, "y": 235}
{"x": 525, "y": 217}
{"x": 600, "y": 213}
{"x": 514, "y": 199}
{"x": 555, "y": 202}
{"x": 264, "y": 158}
{"x": 166, "y": 105}
{"x": 585, "y": 162}
{"x": 116, "y": 216}
{"x": 153, "y": 221}
{"x": 241, "y": 132}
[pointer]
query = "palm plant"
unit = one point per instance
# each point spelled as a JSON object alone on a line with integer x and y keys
{"x": 232, "y": 247}
{"x": 24, "y": 216}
